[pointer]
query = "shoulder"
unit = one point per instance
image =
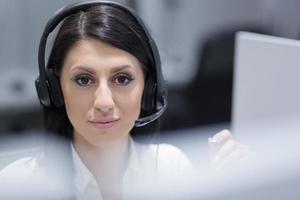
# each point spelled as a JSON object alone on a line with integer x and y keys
{"x": 168, "y": 151}
{"x": 21, "y": 174}
{"x": 22, "y": 168}
{"x": 28, "y": 174}
{"x": 163, "y": 155}
{"x": 171, "y": 157}
{"x": 174, "y": 167}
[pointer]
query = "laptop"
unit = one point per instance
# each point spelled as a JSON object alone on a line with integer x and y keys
{"x": 266, "y": 117}
{"x": 266, "y": 85}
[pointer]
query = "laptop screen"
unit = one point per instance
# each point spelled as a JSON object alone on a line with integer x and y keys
{"x": 266, "y": 86}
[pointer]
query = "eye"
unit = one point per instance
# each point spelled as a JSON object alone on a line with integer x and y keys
{"x": 123, "y": 79}
{"x": 83, "y": 80}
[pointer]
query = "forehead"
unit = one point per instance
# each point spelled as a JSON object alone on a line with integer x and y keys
{"x": 95, "y": 53}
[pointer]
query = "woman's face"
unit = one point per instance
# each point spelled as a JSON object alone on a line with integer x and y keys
{"x": 102, "y": 88}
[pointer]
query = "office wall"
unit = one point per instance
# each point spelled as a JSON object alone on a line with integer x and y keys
{"x": 21, "y": 25}
{"x": 181, "y": 26}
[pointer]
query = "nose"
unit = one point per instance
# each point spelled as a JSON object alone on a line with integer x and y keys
{"x": 103, "y": 98}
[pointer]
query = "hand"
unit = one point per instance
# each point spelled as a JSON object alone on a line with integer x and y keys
{"x": 225, "y": 151}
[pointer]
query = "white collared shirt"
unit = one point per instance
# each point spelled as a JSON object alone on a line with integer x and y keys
{"x": 148, "y": 164}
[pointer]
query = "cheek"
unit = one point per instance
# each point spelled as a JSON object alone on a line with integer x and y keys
{"x": 131, "y": 102}
{"x": 76, "y": 104}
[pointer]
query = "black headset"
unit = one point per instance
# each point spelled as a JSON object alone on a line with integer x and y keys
{"x": 47, "y": 84}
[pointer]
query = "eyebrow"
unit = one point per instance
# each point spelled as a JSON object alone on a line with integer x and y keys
{"x": 120, "y": 68}
{"x": 92, "y": 71}
{"x": 83, "y": 68}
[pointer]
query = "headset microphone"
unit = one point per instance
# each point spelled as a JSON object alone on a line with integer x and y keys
{"x": 146, "y": 120}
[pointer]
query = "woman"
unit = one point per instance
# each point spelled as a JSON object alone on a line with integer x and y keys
{"x": 103, "y": 81}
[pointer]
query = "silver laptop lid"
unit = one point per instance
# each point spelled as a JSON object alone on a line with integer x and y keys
{"x": 266, "y": 88}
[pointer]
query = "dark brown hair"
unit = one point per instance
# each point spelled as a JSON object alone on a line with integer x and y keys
{"x": 113, "y": 26}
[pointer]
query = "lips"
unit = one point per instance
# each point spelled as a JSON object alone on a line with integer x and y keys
{"x": 104, "y": 123}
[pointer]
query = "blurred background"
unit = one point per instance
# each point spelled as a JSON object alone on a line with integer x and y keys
{"x": 195, "y": 39}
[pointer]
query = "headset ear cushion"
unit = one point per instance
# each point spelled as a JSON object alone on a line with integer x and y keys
{"x": 43, "y": 92}
{"x": 149, "y": 95}
{"x": 56, "y": 95}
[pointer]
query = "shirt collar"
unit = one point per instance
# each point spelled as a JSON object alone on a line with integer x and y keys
{"x": 141, "y": 159}
{"x": 132, "y": 164}
{"x": 82, "y": 174}
{"x": 136, "y": 162}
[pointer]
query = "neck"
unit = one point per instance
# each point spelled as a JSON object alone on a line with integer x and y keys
{"x": 107, "y": 160}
